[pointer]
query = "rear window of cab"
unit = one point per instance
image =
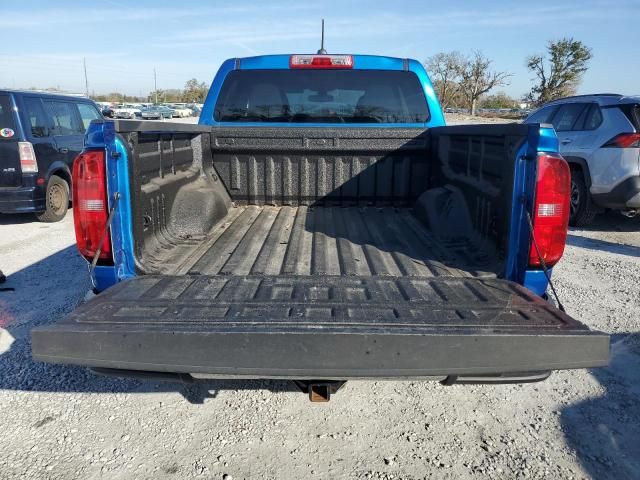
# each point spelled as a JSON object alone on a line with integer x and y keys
{"x": 322, "y": 96}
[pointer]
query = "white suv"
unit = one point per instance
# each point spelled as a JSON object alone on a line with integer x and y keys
{"x": 600, "y": 138}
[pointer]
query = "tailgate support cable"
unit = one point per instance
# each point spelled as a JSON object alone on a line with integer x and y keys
{"x": 543, "y": 264}
{"x": 94, "y": 262}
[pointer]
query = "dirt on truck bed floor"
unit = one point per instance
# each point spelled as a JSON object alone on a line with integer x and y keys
{"x": 332, "y": 241}
{"x": 64, "y": 422}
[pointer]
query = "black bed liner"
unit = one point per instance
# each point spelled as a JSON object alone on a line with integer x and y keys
{"x": 186, "y": 182}
{"x": 365, "y": 241}
{"x": 330, "y": 327}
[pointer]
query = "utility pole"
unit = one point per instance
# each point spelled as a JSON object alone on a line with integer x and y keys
{"x": 155, "y": 85}
{"x": 86, "y": 81}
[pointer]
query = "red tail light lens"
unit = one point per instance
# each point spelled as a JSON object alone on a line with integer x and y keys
{"x": 551, "y": 210}
{"x": 28, "y": 161}
{"x": 90, "y": 210}
{"x": 321, "y": 61}
{"x": 624, "y": 140}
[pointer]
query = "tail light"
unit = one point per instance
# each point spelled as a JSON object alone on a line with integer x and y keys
{"x": 28, "y": 162}
{"x": 624, "y": 140}
{"x": 551, "y": 210}
{"x": 90, "y": 204}
{"x": 321, "y": 61}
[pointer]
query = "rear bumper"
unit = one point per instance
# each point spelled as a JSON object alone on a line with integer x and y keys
{"x": 329, "y": 356}
{"x": 324, "y": 327}
{"x": 625, "y": 195}
{"x": 22, "y": 200}
{"x": 503, "y": 378}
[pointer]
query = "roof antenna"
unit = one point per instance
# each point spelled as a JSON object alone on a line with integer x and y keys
{"x": 322, "y": 51}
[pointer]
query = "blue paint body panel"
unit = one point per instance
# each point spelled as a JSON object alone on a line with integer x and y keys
{"x": 104, "y": 277}
{"x": 102, "y": 135}
{"x": 536, "y": 281}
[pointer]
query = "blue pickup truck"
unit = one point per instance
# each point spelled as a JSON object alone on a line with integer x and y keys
{"x": 319, "y": 224}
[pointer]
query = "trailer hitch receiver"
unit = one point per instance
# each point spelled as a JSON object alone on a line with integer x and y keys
{"x": 319, "y": 391}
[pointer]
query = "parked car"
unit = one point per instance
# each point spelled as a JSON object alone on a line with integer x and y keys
{"x": 106, "y": 109}
{"x": 321, "y": 223}
{"x": 127, "y": 111}
{"x": 40, "y": 135}
{"x": 181, "y": 111}
{"x": 156, "y": 112}
{"x": 196, "y": 109}
{"x": 107, "y": 112}
{"x": 600, "y": 138}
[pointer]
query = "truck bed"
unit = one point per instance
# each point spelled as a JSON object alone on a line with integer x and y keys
{"x": 299, "y": 201}
{"x": 351, "y": 241}
{"x": 320, "y": 253}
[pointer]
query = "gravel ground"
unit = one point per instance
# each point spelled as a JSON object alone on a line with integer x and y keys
{"x": 460, "y": 118}
{"x": 65, "y": 422}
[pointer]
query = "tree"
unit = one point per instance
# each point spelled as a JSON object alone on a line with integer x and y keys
{"x": 194, "y": 91}
{"x": 117, "y": 97}
{"x": 444, "y": 68}
{"x": 499, "y": 100}
{"x": 170, "y": 95}
{"x": 560, "y": 74}
{"x": 156, "y": 96}
{"x": 476, "y": 79}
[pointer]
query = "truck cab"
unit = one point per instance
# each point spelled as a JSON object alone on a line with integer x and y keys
{"x": 322, "y": 222}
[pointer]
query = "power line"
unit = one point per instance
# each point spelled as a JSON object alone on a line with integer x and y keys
{"x": 105, "y": 77}
{"x": 68, "y": 65}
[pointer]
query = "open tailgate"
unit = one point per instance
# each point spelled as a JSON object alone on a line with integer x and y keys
{"x": 320, "y": 327}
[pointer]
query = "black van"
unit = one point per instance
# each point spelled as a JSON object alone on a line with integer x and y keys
{"x": 40, "y": 135}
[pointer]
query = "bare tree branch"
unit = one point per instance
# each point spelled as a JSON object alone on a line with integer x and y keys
{"x": 444, "y": 68}
{"x": 476, "y": 79}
